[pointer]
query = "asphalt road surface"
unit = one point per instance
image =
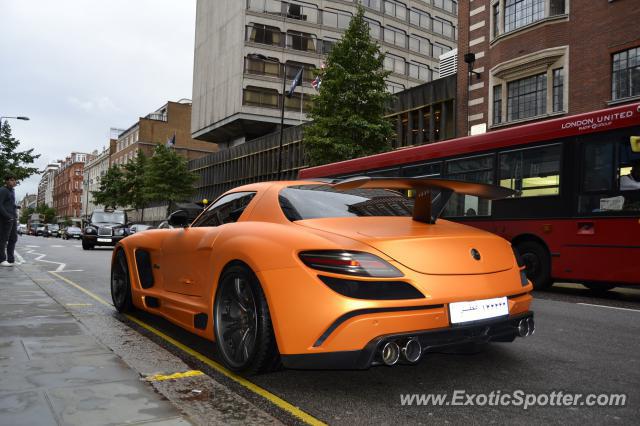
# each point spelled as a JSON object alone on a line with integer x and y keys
{"x": 583, "y": 345}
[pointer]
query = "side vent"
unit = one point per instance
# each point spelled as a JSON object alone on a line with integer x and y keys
{"x": 200, "y": 321}
{"x": 152, "y": 302}
{"x": 143, "y": 263}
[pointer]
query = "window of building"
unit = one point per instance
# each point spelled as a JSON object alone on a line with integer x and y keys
{"x": 259, "y": 96}
{"x": 335, "y": 18}
{"x": 419, "y": 71}
{"x": 258, "y": 66}
{"x": 326, "y": 45}
{"x": 301, "y": 41}
{"x": 527, "y": 97}
{"x": 518, "y": 13}
{"x": 450, "y": 6}
{"x": 626, "y": 74}
{"x": 558, "y": 90}
{"x": 273, "y": 7}
{"x": 497, "y": 104}
{"x": 532, "y": 171}
{"x": 293, "y": 103}
{"x": 419, "y": 44}
{"x": 395, "y": 9}
{"x": 419, "y": 18}
{"x": 394, "y": 64}
{"x": 375, "y": 28}
{"x": 444, "y": 27}
{"x": 394, "y": 87}
{"x": 371, "y": 4}
{"x": 300, "y": 11}
{"x": 439, "y": 49}
{"x": 395, "y": 36}
{"x": 496, "y": 19}
{"x": 307, "y": 70}
{"x": 265, "y": 34}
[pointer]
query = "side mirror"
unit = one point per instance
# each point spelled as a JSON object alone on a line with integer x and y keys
{"x": 179, "y": 218}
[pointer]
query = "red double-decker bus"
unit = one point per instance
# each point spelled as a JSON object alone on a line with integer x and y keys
{"x": 574, "y": 219}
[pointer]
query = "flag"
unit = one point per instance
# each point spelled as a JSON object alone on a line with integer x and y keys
{"x": 171, "y": 142}
{"x": 296, "y": 80}
{"x": 316, "y": 83}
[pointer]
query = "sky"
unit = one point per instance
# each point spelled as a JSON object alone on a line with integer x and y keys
{"x": 77, "y": 68}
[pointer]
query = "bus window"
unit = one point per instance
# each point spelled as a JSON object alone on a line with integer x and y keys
{"x": 533, "y": 171}
{"x": 472, "y": 169}
{"x": 422, "y": 170}
{"x": 597, "y": 172}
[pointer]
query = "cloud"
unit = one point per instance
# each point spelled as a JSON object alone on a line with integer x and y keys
{"x": 102, "y": 104}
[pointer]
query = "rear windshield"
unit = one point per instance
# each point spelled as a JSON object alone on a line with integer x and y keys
{"x": 321, "y": 201}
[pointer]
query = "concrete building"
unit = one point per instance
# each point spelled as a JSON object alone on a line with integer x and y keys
{"x": 158, "y": 127}
{"x": 538, "y": 59}
{"x": 242, "y": 48}
{"x": 29, "y": 201}
{"x": 67, "y": 189}
{"x": 45, "y": 187}
{"x": 94, "y": 169}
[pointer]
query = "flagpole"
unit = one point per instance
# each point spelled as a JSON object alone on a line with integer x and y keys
{"x": 301, "y": 100}
{"x": 284, "y": 87}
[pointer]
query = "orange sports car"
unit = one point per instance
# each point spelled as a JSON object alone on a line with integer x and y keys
{"x": 320, "y": 274}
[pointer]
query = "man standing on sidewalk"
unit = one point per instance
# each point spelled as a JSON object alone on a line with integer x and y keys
{"x": 8, "y": 221}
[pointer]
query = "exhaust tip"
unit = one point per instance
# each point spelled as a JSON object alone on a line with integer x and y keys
{"x": 532, "y": 326}
{"x": 523, "y": 328}
{"x": 390, "y": 353}
{"x": 412, "y": 350}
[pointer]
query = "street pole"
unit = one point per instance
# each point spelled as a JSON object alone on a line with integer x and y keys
{"x": 284, "y": 87}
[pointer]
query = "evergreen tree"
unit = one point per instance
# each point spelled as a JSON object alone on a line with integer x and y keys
{"x": 348, "y": 114}
{"x": 12, "y": 160}
{"x": 112, "y": 189}
{"x": 168, "y": 177}
{"x": 135, "y": 191}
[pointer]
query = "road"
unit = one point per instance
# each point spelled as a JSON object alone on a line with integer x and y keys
{"x": 583, "y": 345}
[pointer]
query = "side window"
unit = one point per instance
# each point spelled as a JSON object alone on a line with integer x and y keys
{"x": 226, "y": 210}
{"x": 533, "y": 171}
{"x": 474, "y": 169}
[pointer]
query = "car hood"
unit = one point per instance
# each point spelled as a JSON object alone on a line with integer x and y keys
{"x": 444, "y": 248}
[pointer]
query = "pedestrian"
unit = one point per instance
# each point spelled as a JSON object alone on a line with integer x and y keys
{"x": 8, "y": 221}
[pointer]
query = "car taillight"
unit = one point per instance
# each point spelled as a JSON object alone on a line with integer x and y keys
{"x": 349, "y": 263}
{"x": 521, "y": 266}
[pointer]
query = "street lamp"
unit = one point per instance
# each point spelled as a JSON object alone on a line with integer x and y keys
{"x": 20, "y": 117}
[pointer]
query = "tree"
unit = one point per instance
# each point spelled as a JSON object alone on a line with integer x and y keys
{"x": 26, "y": 214}
{"x": 135, "y": 190}
{"x": 168, "y": 178}
{"x": 112, "y": 187}
{"x": 47, "y": 214}
{"x": 348, "y": 114}
{"x": 12, "y": 160}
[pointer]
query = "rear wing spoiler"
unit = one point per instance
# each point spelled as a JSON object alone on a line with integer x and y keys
{"x": 426, "y": 209}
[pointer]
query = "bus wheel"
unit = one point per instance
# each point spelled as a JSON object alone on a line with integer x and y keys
{"x": 599, "y": 289}
{"x": 537, "y": 263}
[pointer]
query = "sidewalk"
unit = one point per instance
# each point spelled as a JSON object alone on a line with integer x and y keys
{"x": 53, "y": 372}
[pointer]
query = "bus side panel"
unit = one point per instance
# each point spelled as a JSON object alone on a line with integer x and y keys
{"x": 581, "y": 249}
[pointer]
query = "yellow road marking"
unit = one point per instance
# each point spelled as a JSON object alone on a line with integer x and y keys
{"x": 161, "y": 377}
{"x": 274, "y": 399}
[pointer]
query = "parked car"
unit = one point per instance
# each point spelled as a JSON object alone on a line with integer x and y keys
{"x": 351, "y": 275}
{"x": 165, "y": 225}
{"x": 138, "y": 227}
{"x": 41, "y": 230}
{"x": 22, "y": 229}
{"x": 72, "y": 232}
{"x": 54, "y": 230}
{"x": 105, "y": 228}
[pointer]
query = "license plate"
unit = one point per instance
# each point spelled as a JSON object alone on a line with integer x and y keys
{"x": 104, "y": 240}
{"x": 478, "y": 310}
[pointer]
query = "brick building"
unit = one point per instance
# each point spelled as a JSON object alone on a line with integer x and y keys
{"x": 174, "y": 118}
{"x": 536, "y": 59}
{"x": 67, "y": 189}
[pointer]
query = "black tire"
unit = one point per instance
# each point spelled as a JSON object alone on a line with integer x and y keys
{"x": 538, "y": 263}
{"x": 121, "y": 283}
{"x": 599, "y": 289}
{"x": 87, "y": 246}
{"x": 242, "y": 323}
